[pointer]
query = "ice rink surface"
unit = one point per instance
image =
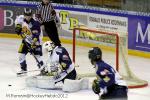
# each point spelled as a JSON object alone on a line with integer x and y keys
{"x": 14, "y": 88}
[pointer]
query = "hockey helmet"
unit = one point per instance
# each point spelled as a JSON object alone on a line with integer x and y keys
{"x": 95, "y": 54}
{"x": 48, "y": 46}
{"x": 27, "y": 12}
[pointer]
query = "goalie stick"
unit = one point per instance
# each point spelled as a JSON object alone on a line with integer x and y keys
{"x": 31, "y": 52}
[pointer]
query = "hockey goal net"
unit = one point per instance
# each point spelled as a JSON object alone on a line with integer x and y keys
{"x": 115, "y": 53}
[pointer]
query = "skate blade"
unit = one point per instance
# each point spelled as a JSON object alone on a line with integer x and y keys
{"x": 21, "y": 75}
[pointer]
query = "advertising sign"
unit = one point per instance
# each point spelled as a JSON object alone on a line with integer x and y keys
{"x": 1, "y": 18}
{"x": 139, "y": 33}
{"x": 110, "y": 23}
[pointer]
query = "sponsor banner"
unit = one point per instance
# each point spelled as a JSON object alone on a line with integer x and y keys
{"x": 1, "y": 18}
{"x": 139, "y": 33}
{"x": 109, "y": 23}
{"x": 8, "y": 15}
{"x": 70, "y": 20}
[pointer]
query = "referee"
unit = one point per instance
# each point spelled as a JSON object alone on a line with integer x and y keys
{"x": 46, "y": 15}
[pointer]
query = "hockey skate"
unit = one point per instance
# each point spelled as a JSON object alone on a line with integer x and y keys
{"x": 22, "y": 73}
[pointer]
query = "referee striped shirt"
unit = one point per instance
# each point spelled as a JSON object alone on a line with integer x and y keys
{"x": 45, "y": 13}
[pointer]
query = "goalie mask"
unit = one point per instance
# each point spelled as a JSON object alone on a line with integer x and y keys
{"x": 95, "y": 54}
{"x": 49, "y": 46}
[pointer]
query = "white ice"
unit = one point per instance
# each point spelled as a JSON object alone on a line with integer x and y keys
{"x": 9, "y": 65}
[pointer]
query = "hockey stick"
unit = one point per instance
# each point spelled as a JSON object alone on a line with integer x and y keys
{"x": 19, "y": 73}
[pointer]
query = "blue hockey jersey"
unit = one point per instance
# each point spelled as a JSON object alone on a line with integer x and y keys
{"x": 107, "y": 75}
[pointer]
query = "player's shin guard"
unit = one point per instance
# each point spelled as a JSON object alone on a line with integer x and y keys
{"x": 22, "y": 62}
{"x": 23, "y": 69}
{"x": 23, "y": 66}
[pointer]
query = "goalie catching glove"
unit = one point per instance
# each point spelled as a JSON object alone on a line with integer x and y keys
{"x": 95, "y": 86}
{"x": 97, "y": 89}
{"x": 49, "y": 70}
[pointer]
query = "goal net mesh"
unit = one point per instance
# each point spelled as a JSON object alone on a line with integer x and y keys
{"x": 115, "y": 52}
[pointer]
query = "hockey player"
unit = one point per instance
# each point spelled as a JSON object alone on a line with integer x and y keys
{"x": 109, "y": 84}
{"x": 59, "y": 59}
{"x": 30, "y": 31}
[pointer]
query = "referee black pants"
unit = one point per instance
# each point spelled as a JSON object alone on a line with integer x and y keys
{"x": 52, "y": 32}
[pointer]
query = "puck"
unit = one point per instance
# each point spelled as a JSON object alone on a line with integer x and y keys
{"x": 9, "y": 85}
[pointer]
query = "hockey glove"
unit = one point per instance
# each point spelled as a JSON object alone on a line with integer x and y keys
{"x": 96, "y": 87}
{"x": 53, "y": 68}
{"x": 18, "y": 29}
{"x": 44, "y": 70}
{"x": 33, "y": 45}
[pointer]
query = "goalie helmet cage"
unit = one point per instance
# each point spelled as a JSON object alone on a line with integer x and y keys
{"x": 115, "y": 52}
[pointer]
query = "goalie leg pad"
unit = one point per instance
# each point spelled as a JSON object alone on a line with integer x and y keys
{"x": 71, "y": 85}
{"x": 31, "y": 81}
{"x": 85, "y": 83}
{"x": 75, "y": 85}
{"x": 43, "y": 82}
